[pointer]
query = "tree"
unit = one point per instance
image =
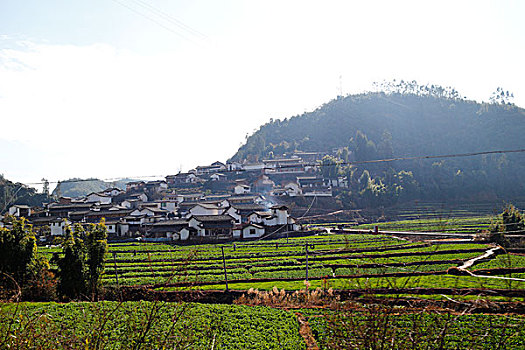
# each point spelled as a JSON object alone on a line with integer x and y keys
{"x": 501, "y": 96}
{"x": 329, "y": 167}
{"x": 19, "y": 261}
{"x": 364, "y": 149}
{"x": 96, "y": 247}
{"x": 81, "y": 267}
{"x": 72, "y": 267}
{"x": 17, "y": 249}
{"x": 511, "y": 221}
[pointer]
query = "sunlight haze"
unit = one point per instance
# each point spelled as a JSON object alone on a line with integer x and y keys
{"x": 129, "y": 88}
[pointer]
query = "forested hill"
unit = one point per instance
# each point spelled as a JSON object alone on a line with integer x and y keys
{"x": 17, "y": 193}
{"x": 418, "y": 125}
{"x": 418, "y": 121}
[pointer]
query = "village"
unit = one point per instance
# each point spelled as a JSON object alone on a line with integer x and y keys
{"x": 216, "y": 202}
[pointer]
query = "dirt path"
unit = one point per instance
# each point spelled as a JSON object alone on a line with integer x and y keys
{"x": 306, "y": 332}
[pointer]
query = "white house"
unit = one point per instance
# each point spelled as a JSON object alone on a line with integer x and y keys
{"x": 241, "y": 189}
{"x": 234, "y": 166}
{"x": 58, "y": 227}
{"x": 205, "y": 209}
{"x": 169, "y": 205}
{"x": 293, "y": 189}
{"x": 147, "y": 211}
{"x": 212, "y": 225}
{"x": 20, "y": 210}
{"x": 98, "y": 198}
{"x": 248, "y": 231}
{"x": 112, "y": 192}
{"x": 218, "y": 177}
{"x": 253, "y": 166}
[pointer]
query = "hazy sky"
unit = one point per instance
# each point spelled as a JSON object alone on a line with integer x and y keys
{"x": 114, "y": 88}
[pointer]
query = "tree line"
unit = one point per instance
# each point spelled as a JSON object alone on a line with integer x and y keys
{"x": 78, "y": 274}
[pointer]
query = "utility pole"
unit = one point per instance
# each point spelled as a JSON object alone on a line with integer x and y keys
{"x": 306, "y": 246}
{"x": 224, "y": 265}
{"x": 116, "y": 273}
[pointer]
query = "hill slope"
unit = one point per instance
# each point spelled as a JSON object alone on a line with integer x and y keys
{"x": 384, "y": 125}
{"x": 419, "y": 125}
{"x": 81, "y": 187}
{"x": 17, "y": 193}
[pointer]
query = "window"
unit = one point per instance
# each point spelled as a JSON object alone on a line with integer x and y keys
{"x": 252, "y": 231}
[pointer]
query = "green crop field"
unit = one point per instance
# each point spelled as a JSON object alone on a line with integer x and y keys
{"x": 146, "y": 325}
{"x": 342, "y": 261}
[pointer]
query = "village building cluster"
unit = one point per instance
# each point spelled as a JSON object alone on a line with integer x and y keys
{"x": 219, "y": 201}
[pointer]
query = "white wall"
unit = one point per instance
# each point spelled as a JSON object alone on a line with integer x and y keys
{"x": 247, "y": 232}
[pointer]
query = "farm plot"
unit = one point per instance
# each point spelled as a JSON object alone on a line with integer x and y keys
{"x": 147, "y": 325}
{"x": 464, "y": 224}
{"x": 343, "y": 261}
{"x": 410, "y": 329}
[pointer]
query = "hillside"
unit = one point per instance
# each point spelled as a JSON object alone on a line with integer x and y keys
{"x": 17, "y": 193}
{"x": 419, "y": 122}
{"x": 80, "y": 187}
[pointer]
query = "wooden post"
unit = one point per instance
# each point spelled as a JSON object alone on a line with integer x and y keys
{"x": 116, "y": 273}
{"x": 224, "y": 265}
{"x": 306, "y": 262}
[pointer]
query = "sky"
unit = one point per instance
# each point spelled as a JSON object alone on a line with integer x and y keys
{"x": 129, "y": 88}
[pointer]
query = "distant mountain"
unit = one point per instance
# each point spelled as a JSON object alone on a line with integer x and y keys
{"x": 17, "y": 193}
{"x": 413, "y": 121}
{"x": 76, "y": 187}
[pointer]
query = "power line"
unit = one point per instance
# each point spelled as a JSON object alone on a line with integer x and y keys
{"x": 170, "y": 18}
{"x": 457, "y": 155}
{"x": 156, "y": 21}
{"x": 314, "y": 165}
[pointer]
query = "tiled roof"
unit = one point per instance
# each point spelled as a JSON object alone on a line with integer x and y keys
{"x": 212, "y": 218}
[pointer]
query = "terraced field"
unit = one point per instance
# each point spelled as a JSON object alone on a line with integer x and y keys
{"x": 349, "y": 261}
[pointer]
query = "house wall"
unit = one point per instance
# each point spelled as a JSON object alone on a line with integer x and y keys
{"x": 122, "y": 229}
{"x": 241, "y": 189}
{"x": 237, "y": 233}
{"x": 57, "y": 228}
{"x": 93, "y": 198}
{"x": 184, "y": 234}
{"x": 252, "y": 232}
{"x": 282, "y": 216}
{"x": 112, "y": 228}
{"x": 233, "y": 213}
{"x": 254, "y": 218}
{"x": 198, "y": 210}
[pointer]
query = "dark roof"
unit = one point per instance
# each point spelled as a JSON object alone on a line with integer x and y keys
{"x": 98, "y": 194}
{"x": 176, "y": 222}
{"x": 109, "y": 212}
{"x": 207, "y": 205}
{"x": 70, "y": 207}
{"x": 252, "y": 207}
{"x": 212, "y": 218}
{"x": 279, "y": 207}
{"x": 155, "y": 210}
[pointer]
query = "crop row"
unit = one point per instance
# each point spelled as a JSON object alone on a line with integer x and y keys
{"x": 420, "y": 330}
{"x": 125, "y": 325}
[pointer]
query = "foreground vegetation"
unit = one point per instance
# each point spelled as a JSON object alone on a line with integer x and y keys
{"x": 293, "y": 293}
{"x": 154, "y": 325}
{"x": 146, "y": 325}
